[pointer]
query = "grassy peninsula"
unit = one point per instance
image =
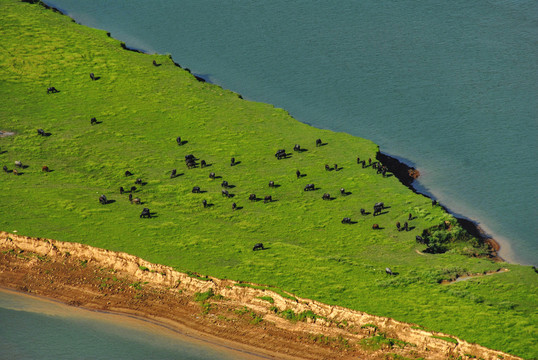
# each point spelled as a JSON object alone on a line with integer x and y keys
{"x": 141, "y": 109}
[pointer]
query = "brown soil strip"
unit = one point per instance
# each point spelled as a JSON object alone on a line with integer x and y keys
{"x": 235, "y": 316}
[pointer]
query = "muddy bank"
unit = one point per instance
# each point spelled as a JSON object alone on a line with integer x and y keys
{"x": 252, "y": 318}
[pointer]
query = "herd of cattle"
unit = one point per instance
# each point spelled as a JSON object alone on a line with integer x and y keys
{"x": 191, "y": 162}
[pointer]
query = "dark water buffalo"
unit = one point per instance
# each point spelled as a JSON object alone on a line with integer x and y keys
{"x": 363, "y": 212}
{"x": 280, "y": 154}
{"x": 203, "y": 164}
{"x": 398, "y": 225}
{"x": 52, "y": 90}
{"x": 297, "y": 147}
{"x": 318, "y": 142}
{"x": 346, "y": 220}
{"x": 358, "y": 160}
{"x": 378, "y": 208}
{"x": 335, "y": 167}
{"x": 405, "y": 226}
{"x": 369, "y": 161}
{"x": 103, "y": 200}
{"x": 18, "y": 163}
{"x": 93, "y": 121}
{"x": 234, "y": 206}
{"x": 326, "y": 196}
{"x": 225, "y": 193}
{"x": 298, "y": 173}
{"x": 309, "y": 187}
{"x": 121, "y": 190}
{"x": 92, "y": 76}
{"x": 145, "y": 213}
{"x": 388, "y": 271}
{"x": 178, "y": 140}
{"x": 5, "y": 168}
{"x": 252, "y": 197}
{"x": 224, "y": 184}
{"x": 189, "y": 157}
{"x": 232, "y": 162}
{"x": 45, "y": 169}
{"x": 212, "y": 175}
{"x": 410, "y": 217}
{"x": 155, "y": 63}
{"x": 133, "y": 189}
{"x": 138, "y": 181}
{"x": 258, "y": 246}
{"x": 191, "y": 164}
{"x": 271, "y": 184}
{"x": 135, "y": 201}
{"x": 128, "y": 173}
{"x": 327, "y": 167}
{"x": 343, "y": 191}
{"x": 131, "y": 198}
{"x": 41, "y": 132}
{"x": 267, "y": 199}
{"x": 173, "y": 174}
{"x": 196, "y": 190}
{"x": 375, "y": 226}
{"x": 204, "y": 202}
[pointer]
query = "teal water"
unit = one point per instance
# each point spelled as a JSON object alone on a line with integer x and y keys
{"x": 33, "y": 328}
{"x": 449, "y": 87}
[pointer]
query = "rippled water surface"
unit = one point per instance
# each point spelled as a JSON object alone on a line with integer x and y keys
{"x": 448, "y": 86}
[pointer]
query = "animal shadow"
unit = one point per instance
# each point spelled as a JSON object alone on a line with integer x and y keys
{"x": 323, "y": 144}
{"x": 301, "y": 150}
{"x": 183, "y": 142}
{"x": 383, "y": 213}
{"x": 347, "y": 193}
{"x": 231, "y": 186}
{"x": 236, "y": 163}
{"x": 302, "y": 175}
{"x": 339, "y": 168}
{"x": 238, "y": 208}
{"x": 218, "y": 177}
{"x": 177, "y": 175}
{"x": 411, "y": 228}
{"x": 276, "y": 186}
{"x": 3, "y": 151}
{"x": 353, "y": 222}
{"x": 110, "y": 201}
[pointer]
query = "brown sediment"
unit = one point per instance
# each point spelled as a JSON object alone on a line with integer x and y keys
{"x": 240, "y": 316}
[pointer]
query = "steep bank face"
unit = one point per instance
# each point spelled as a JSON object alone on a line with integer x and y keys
{"x": 331, "y": 321}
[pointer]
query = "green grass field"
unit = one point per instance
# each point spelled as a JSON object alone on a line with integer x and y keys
{"x": 142, "y": 109}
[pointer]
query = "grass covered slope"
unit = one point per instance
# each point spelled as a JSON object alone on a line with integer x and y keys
{"x": 143, "y": 108}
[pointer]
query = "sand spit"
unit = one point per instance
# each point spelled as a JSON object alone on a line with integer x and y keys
{"x": 168, "y": 297}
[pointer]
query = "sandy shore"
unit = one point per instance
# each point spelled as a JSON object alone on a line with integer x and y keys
{"x": 240, "y": 318}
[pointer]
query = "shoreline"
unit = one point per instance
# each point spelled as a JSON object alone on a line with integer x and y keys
{"x": 79, "y": 275}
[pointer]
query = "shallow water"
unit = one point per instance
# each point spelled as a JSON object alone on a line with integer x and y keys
{"x": 36, "y": 328}
{"x": 450, "y": 87}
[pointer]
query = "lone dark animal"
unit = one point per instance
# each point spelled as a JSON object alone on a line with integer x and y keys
{"x": 196, "y": 190}
{"x": 410, "y": 217}
{"x": 369, "y": 161}
{"x": 343, "y": 191}
{"x": 335, "y": 167}
{"x": 225, "y": 193}
{"x": 5, "y": 168}
{"x": 280, "y": 154}
{"x": 267, "y": 199}
{"x": 212, "y": 175}
{"x": 52, "y": 90}
{"x": 297, "y": 147}
{"x": 128, "y": 173}
{"x": 93, "y": 121}
{"x": 145, "y": 213}
{"x": 18, "y": 163}
{"x": 232, "y": 162}
{"x": 138, "y": 181}
{"x": 388, "y": 271}
{"x": 131, "y": 197}
{"x": 309, "y": 187}
{"x": 298, "y": 173}
{"x": 41, "y": 132}
{"x": 102, "y": 199}
{"x": 398, "y": 225}
{"x": 224, "y": 184}
{"x": 173, "y": 174}
{"x": 358, "y": 160}
{"x": 258, "y": 246}
{"x": 363, "y": 212}
{"x": 203, "y": 164}
{"x": 405, "y": 226}
{"x": 252, "y": 197}
{"x": 318, "y": 142}
{"x": 45, "y": 169}
{"x": 155, "y": 63}
{"x": 133, "y": 189}
{"x": 346, "y": 220}
{"x": 92, "y": 76}
{"x": 363, "y": 164}
{"x": 271, "y": 184}
{"x": 121, "y": 190}
{"x": 178, "y": 140}
{"x": 326, "y": 196}
{"x": 378, "y": 208}
{"x": 327, "y": 167}
{"x": 205, "y": 203}
{"x": 136, "y": 201}
{"x": 375, "y": 226}
{"x": 234, "y": 206}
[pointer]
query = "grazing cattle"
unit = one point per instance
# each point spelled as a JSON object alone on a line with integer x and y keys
{"x": 155, "y": 63}
{"x": 15, "y": 172}
{"x": 18, "y": 163}
{"x": 102, "y": 199}
{"x": 138, "y": 181}
{"x": 258, "y": 246}
{"x": 92, "y": 76}
{"x": 93, "y": 121}
{"x": 224, "y": 184}
{"x": 358, "y": 160}
{"x": 204, "y": 202}
{"x": 234, "y": 206}
{"x": 131, "y": 198}
{"x": 363, "y": 164}
{"x": 133, "y": 189}
{"x": 410, "y": 217}
{"x": 318, "y": 142}
{"x": 45, "y": 169}
{"x": 388, "y": 271}
{"x": 271, "y": 184}
{"x": 5, "y": 168}
{"x": 189, "y": 157}
{"x": 326, "y": 196}
{"x": 280, "y": 154}
{"x": 136, "y": 201}
{"x": 267, "y": 199}
{"x": 41, "y": 132}
{"x": 252, "y": 197}
{"x": 327, "y": 167}
{"x": 346, "y": 220}
{"x": 203, "y": 164}
{"x": 405, "y": 226}
{"x": 173, "y": 173}
{"x": 297, "y": 147}
{"x": 375, "y": 226}
{"x": 343, "y": 191}
{"x": 128, "y": 173}
{"x": 196, "y": 190}
{"x": 225, "y": 193}
{"x": 191, "y": 164}
{"x": 52, "y": 90}
{"x": 298, "y": 173}
{"x": 121, "y": 190}
{"x": 212, "y": 175}
{"x": 309, "y": 187}
{"x": 178, "y": 140}
{"x": 378, "y": 208}
{"x": 398, "y": 225}
{"x": 335, "y": 167}
{"x": 363, "y": 212}
{"x": 232, "y": 162}
{"x": 145, "y": 213}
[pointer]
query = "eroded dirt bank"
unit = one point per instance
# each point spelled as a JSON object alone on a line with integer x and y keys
{"x": 99, "y": 279}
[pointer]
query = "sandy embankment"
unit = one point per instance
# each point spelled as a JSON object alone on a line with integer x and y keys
{"x": 99, "y": 279}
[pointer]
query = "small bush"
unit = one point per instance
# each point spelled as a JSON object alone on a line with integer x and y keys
{"x": 202, "y": 297}
{"x": 267, "y": 298}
